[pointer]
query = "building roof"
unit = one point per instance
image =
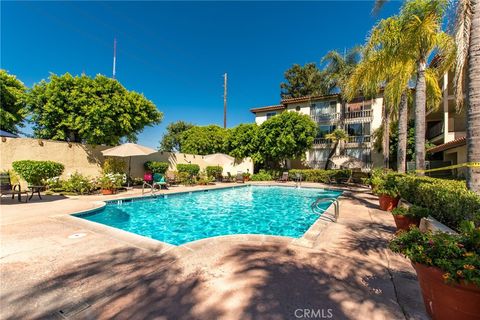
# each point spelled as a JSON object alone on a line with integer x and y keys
{"x": 309, "y": 98}
{"x": 268, "y": 108}
{"x": 449, "y": 145}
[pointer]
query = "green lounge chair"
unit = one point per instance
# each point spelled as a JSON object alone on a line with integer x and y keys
{"x": 159, "y": 180}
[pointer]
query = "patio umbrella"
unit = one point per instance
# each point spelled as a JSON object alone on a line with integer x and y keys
{"x": 128, "y": 150}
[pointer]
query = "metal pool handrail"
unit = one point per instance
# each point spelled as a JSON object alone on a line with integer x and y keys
{"x": 319, "y": 200}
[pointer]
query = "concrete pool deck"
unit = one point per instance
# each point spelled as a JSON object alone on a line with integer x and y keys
{"x": 346, "y": 271}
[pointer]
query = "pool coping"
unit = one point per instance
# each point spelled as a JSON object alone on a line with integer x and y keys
{"x": 308, "y": 239}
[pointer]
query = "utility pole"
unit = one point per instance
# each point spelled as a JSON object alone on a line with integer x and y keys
{"x": 225, "y": 100}
{"x": 114, "y": 57}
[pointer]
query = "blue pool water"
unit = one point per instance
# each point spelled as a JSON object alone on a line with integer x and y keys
{"x": 181, "y": 218}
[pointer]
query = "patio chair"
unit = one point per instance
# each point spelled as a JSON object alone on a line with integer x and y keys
{"x": 172, "y": 178}
{"x": 284, "y": 177}
{"x": 159, "y": 180}
{"x": 228, "y": 178}
{"x": 239, "y": 177}
{"x": 6, "y": 188}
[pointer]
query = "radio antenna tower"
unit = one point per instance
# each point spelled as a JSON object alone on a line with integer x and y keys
{"x": 114, "y": 57}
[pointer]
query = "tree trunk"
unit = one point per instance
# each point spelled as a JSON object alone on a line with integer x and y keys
{"x": 473, "y": 99}
{"x": 386, "y": 137}
{"x": 402, "y": 133}
{"x": 420, "y": 106}
{"x": 330, "y": 155}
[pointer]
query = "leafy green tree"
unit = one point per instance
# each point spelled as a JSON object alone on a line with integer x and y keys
{"x": 171, "y": 141}
{"x": 204, "y": 140}
{"x": 12, "y": 102}
{"x": 285, "y": 136}
{"x": 302, "y": 81}
{"x": 242, "y": 141}
{"x": 91, "y": 110}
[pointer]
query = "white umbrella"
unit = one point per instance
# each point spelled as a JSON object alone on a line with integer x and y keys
{"x": 128, "y": 150}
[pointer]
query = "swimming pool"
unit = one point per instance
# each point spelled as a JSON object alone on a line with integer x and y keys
{"x": 181, "y": 218}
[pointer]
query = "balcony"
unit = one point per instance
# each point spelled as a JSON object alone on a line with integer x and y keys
{"x": 358, "y": 115}
{"x": 359, "y": 139}
{"x": 325, "y": 117}
{"x": 322, "y": 141}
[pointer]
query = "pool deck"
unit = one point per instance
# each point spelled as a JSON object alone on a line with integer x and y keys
{"x": 344, "y": 269}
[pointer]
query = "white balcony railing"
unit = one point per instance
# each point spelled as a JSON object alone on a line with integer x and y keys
{"x": 324, "y": 117}
{"x": 358, "y": 114}
{"x": 359, "y": 139}
{"x": 322, "y": 141}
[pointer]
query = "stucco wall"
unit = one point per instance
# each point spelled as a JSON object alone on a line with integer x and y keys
{"x": 88, "y": 159}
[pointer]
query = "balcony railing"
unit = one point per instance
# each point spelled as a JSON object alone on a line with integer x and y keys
{"x": 435, "y": 130}
{"x": 359, "y": 139}
{"x": 325, "y": 117}
{"x": 322, "y": 141}
{"x": 358, "y": 114}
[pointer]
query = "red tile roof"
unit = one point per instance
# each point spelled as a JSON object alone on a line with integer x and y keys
{"x": 449, "y": 145}
{"x": 268, "y": 108}
{"x": 308, "y": 98}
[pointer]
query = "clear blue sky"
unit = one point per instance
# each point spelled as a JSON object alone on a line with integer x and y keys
{"x": 176, "y": 52}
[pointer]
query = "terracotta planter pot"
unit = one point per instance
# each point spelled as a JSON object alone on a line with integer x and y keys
{"x": 403, "y": 223}
{"x": 445, "y": 301}
{"x": 387, "y": 203}
{"x": 107, "y": 192}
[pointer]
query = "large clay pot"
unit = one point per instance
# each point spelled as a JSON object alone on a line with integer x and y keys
{"x": 107, "y": 192}
{"x": 403, "y": 222}
{"x": 446, "y": 301}
{"x": 387, "y": 203}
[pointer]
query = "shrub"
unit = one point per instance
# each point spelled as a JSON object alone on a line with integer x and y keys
{"x": 386, "y": 184}
{"x": 449, "y": 201}
{"x": 185, "y": 178}
{"x": 156, "y": 166}
{"x": 110, "y": 181}
{"x": 114, "y": 165}
{"x": 320, "y": 175}
{"x": 457, "y": 255}
{"x": 214, "y": 171}
{"x": 191, "y": 169}
{"x": 262, "y": 175}
{"x": 36, "y": 172}
{"x": 78, "y": 183}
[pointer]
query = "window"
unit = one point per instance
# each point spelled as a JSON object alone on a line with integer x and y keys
{"x": 358, "y": 129}
{"x": 271, "y": 114}
{"x": 324, "y": 130}
{"x": 363, "y": 154}
{"x": 323, "y": 107}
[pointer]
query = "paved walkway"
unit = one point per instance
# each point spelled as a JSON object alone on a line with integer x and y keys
{"x": 347, "y": 272}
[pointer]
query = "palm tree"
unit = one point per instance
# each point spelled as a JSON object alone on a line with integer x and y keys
{"x": 467, "y": 71}
{"x": 337, "y": 71}
{"x": 338, "y": 137}
{"x": 382, "y": 68}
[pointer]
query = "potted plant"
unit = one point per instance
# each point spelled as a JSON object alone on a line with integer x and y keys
{"x": 405, "y": 217}
{"x": 246, "y": 176}
{"x": 448, "y": 270}
{"x": 386, "y": 188}
{"x": 110, "y": 182}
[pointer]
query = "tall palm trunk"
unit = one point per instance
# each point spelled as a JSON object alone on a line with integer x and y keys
{"x": 473, "y": 99}
{"x": 330, "y": 155}
{"x": 420, "y": 106}
{"x": 402, "y": 133}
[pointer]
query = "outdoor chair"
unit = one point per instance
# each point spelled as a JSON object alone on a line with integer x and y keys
{"x": 6, "y": 188}
{"x": 159, "y": 180}
{"x": 239, "y": 177}
{"x": 284, "y": 177}
{"x": 228, "y": 178}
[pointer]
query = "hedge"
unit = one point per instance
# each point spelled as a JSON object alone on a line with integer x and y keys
{"x": 319, "y": 175}
{"x": 36, "y": 172}
{"x": 262, "y": 175}
{"x": 191, "y": 169}
{"x": 449, "y": 201}
{"x": 156, "y": 166}
{"x": 214, "y": 171}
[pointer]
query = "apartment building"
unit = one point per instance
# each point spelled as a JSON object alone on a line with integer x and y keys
{"x": 360, "y": 118}
{"x": 446, "y": 128}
